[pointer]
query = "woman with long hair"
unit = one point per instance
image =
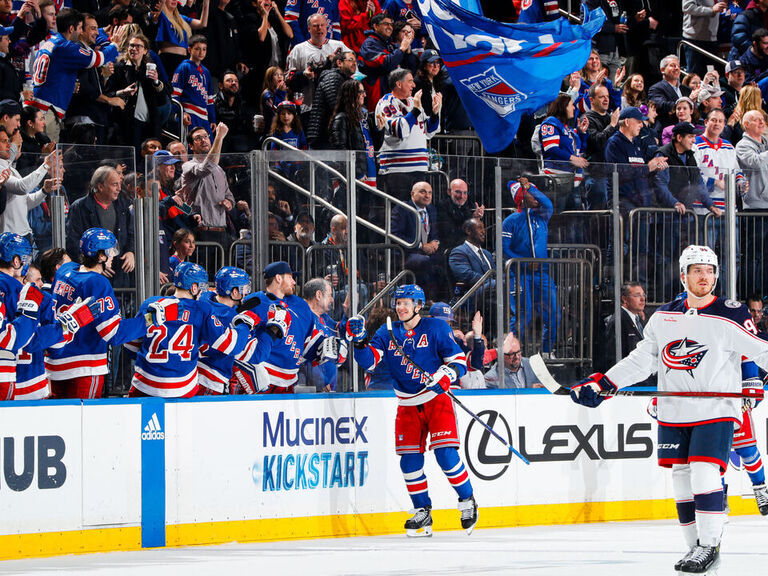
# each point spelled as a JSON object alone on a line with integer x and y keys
{"x": 348, "y": 129}
{"x": 182, "y": 247}
{"x": 274, "y": 92}
{"x": 594, "y": 71}
{"x": 685, "y": 111}
{"x": 429, "y": 78}
{"x": 634, "y": 91}
{"x": 34, "y": 140}
{"x": 174, "y": 31}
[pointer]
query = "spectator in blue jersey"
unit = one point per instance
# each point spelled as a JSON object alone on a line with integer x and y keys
{"x": 379, "y": 56}
{"x": 182, "y": 248}
{"x": 193, "y": 87}
{"x": 274, "y": 92}
{"x": 104, "y": 207}
{"x": 298, "y": 12}
{"x": 408, "y": 12}
{"x": 57, "y": 63}
{"x": 318, "y": 294}
{"x": 287, "y": 127}
{"x": 174, "y": 32}
{"x": 524, "y": 235}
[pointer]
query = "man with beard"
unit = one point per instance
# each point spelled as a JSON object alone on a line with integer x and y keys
{"x": 236, "y": 114}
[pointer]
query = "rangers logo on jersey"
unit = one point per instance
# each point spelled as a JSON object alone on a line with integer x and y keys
{"x": 683, "y": 354}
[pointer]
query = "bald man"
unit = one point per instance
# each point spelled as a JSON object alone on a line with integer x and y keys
{"x": 452, "y": 212}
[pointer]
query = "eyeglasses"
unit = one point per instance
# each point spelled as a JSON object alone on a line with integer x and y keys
{"x": 385, "y": 23}
{"x": 756, "y": 312}
{"x": 200, "y": 137}
{"x": 518, "y": 353}
{"x": 361, "y": 91}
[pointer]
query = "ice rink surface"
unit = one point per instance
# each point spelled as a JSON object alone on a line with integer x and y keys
{"x": 611, "y": 549}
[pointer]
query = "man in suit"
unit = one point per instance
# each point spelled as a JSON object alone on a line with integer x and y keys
{"x": 632, "y": 324}
{"x": 425, "y": 261}
{"x": 453, "y": 211}
{"x": 469, "y": 261}
{"x": 666, "y": 92}
{"x": 517, "y": 370}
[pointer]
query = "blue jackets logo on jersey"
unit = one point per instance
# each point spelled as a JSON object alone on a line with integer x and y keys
{"x": 496, "y": 92}
{"x": 683, "y": 354}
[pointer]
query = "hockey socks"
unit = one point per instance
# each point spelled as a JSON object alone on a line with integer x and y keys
{"x": 450, "y": 462}
{"x": 708, "y": 497}
{"x": 753, "y": 464}
{"x": 412, "y": 466}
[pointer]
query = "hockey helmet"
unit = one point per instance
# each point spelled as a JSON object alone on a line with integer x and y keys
{"x": 412, "y": 291}
{"x": 95, "y": 240}
{"x": 287, "y": 105}
{"x": 187, "y": 274}
{"x": 230, "y": 277}
{"x": 694, "y": 254}
{"x": 15, "y": 245}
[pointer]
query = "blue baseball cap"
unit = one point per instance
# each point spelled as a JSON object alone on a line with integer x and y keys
{"x": 275, "y": 268}
{"x": 165, "y": 157}
{"x": 441, "y": 310}
{"x": 631, "y": 112}
{"x": 6, "y": 30}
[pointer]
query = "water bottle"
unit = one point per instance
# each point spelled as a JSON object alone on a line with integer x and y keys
{"x": 623, "y": 17}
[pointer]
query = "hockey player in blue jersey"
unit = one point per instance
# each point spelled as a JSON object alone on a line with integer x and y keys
{"x": 193, "y": 87}
{"x": 27, "y": 368}
{"x": 423, "y": 407}
{"x": 167, "y": 356}
{"x": 59, "y": 60}
{"x": 215, "y": 368}
{"x": 298, "y": 11}
{"x": 695, "y": 344}
{"x": 77, "y": 369}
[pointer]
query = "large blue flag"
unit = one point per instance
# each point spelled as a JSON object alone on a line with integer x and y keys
{"x": 503, "y": 70}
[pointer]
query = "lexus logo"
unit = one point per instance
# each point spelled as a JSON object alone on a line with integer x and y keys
{"x": 485, "y": 463}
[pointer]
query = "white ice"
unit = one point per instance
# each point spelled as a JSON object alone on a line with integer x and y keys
{"x": 610, "y": 549}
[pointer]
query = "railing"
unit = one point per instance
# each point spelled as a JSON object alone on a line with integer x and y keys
{"x": 686, "y": 44}
{"x": 182, "y": 135}
{"x": 386, "y": 290}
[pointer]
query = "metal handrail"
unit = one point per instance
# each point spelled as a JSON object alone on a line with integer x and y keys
{"x": 375, "y": 191}
{"x": 384, "y": 291}
{"x": 475, "y": 287}
{"x": 182, "y": 129}
{"x": 700, "y": 51}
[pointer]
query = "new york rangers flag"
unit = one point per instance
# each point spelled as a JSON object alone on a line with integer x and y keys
{"x": 503, "y": 70}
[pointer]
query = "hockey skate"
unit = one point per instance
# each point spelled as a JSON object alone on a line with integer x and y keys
{"x": 420, "y": 524}
{"x": 469, "y": 514}
{"x": 761, "y": 496}
{"x": 703, "y": 560}
{"x": 679, "y": 563}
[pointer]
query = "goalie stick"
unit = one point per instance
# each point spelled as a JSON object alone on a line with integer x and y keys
{"x": 453, "y": 397}
{"x": 545, "y": 377}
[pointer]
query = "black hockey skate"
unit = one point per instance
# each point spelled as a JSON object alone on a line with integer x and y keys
{"x": 469, "y": 514}
{"x": 761, "y": 496}
{"x": 702, "y": 560}
{"x": 420, "y": 524}
{"x": 679, "y": 563}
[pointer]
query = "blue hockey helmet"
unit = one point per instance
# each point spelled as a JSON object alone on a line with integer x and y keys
{"x": 95, "y": 240}
{"x": 230, "y": 277}
{"x": 412, "y": 291}
{"x": 187, "y": 274}
{"x": 15, "y": 245}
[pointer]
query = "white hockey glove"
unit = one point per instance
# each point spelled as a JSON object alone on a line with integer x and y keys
{"x": 30, "y": 299}
{"x": 80, "y": 314}
{"x": 753, "y": 392}
{"x": 161, "y": 311}
{"x": 440, "y": 381}
{"x": 334, "y": 350}
{"x": 278, "y": 321}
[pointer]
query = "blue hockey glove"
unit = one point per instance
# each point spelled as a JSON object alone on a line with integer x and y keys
{"x": 593, "y": 390}
{"x": 442, "y": 379}
{"x": 355, "y": 329}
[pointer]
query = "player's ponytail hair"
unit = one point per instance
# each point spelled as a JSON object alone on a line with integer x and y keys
{"x": 180, "y": 26}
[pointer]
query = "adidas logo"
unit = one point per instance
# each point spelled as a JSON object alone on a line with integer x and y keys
{"x": 153, "y": 431}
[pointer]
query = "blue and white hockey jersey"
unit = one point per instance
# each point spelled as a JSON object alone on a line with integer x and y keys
{"x": 86, "y": 354}
{"x": 300, "y": 343}
{"x": 298, "y": 11}
{"x": 430, "y": 345}
{"x": 168, "y": 355}
{"x": 57, "y": 64}
{"x": 695, "y": 350}
{"x": 193, "y": 87}
{"x": 405, "y": 136}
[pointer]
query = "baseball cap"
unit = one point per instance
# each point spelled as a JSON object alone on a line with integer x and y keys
{"x": 9, "y": 107}
{"x": 275, "y": 268}
{"x": 430, "y": 56}
{"x": 441, "y": 310}
{"x": 733, "y": 65}
{"x": 708, "y": 91}
{"x": 684, "y": 128}
{"x": 631, "y": 112}
{"x": 304, "y": 216}
{"x": 6, "y": 30}
{"x": 165, "y": 157}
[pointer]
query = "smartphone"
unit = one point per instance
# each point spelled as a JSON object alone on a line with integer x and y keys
{"x": 710, "y": 68}
{"x": 409, "y": 15}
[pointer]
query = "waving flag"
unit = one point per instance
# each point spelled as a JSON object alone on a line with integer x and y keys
{"x": 503, "y": 70}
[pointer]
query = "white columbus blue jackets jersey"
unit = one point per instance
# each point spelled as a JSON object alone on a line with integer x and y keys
{"x": 430, "y": 345}
{"x": 86, "y": 353}
{"x": 168, "y": 355}
{"x": 193, "y": 87}
{"x": 300, "y": 344}
{"x": 57, "y": 64}
{"x": 695, "y": 351}
{"x": 405, "y": 136}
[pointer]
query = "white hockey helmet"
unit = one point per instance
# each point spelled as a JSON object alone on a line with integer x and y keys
{"x": 694, "y": 254}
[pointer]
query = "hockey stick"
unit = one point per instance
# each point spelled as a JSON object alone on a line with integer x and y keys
{"x": 453, "y": 397}
{"x": 542, "y": 373}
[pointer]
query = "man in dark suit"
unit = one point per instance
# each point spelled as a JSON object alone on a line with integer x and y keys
{"x": 632, "y": 324}
{"x": 425, "y": 260}
{"x": 469, "y": 261}
{"x": 666, "y": 92}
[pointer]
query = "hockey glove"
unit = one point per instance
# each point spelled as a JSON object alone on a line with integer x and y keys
{"x": 30, "y": 299}
{"x": 248, "y": 317}
{"x": 278, "y": 321}
{"x": 80, "y": 314}
{"x": 161, "y": 311}
{"x": 753, "y": 392}
{"x": 593, "y": 390}
{"x": 249, "y": 378}
{"x": 355, "y": 330}
{"x": 442, "y": 379}
{"x": 329, "y": 350}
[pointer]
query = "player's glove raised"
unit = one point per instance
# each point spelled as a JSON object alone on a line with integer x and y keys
{"x": 753, "y": 392}
{"x": 161, "y": 311}
{"x": 278, "y": 321}
{"x": 249, "y": 317}
{"x": 80, "y": 314}
{"x": 354, "y": 331}
{"x": 441, "y": 380}
{"x": 30, "y": 299}
{"x": 593, "y": 390}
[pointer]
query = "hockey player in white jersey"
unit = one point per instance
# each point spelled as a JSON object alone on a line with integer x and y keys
{"x": 694, "y": 344}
